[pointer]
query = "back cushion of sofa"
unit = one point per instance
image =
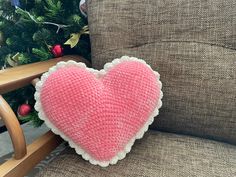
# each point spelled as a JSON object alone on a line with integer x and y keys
{"x": 192, "y": 44}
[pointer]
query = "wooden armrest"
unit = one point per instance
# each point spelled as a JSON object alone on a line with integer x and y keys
{"x": 20, "y": 76}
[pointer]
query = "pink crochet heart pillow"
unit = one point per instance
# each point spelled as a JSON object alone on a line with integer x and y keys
{"x": 100, "y": 113}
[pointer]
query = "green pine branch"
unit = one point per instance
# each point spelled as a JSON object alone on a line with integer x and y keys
{"x": 27, "y": 32}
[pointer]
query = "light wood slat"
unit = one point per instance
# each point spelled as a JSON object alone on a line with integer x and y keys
{"x": 14, "y": 129}
{"x": 20, "y": 76}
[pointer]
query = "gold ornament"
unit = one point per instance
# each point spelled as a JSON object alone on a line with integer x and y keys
{"x": 74, "y": 37}
{"x": 13, "y": 61}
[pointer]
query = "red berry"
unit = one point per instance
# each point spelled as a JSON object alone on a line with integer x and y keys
{"x": 24, "y": 109}
{"x": 57, "y": 50}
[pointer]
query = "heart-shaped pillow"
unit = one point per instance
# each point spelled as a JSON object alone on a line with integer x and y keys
{"x": 100, "y": 113}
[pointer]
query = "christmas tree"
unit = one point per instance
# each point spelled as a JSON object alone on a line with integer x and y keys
{"x": 38, "y": 30}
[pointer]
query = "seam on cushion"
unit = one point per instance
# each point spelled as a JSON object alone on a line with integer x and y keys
{"x": 202, "y": 42}
{"x": 171, "y": 41}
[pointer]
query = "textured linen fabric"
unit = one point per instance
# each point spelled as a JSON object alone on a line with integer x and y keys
{"x": 156, "y": 155}
{"x": 107, "y": 110}
{"x": 191, "y": 44}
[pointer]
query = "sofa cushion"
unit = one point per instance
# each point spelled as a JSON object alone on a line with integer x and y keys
{"x": 157, "y": 154}
{"x": 191, "y": 44}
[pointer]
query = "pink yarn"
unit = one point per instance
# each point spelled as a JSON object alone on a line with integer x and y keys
{"x": 101, "y": 114}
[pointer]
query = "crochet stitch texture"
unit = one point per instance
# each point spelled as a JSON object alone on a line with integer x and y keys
{"x": 100, "y": 113}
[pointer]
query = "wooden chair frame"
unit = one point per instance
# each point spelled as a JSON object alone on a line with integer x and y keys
{"x": 26, "y": 157}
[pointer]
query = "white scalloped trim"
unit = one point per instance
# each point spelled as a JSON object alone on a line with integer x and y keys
{"x": 99, "y": 74}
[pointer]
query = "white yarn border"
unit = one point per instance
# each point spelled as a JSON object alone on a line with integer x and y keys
{"x": 107, "y": 67}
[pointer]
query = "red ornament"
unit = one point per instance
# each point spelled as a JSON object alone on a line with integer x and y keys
{"x": 24, "y": 110}
{"x": 57, "y": 50}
